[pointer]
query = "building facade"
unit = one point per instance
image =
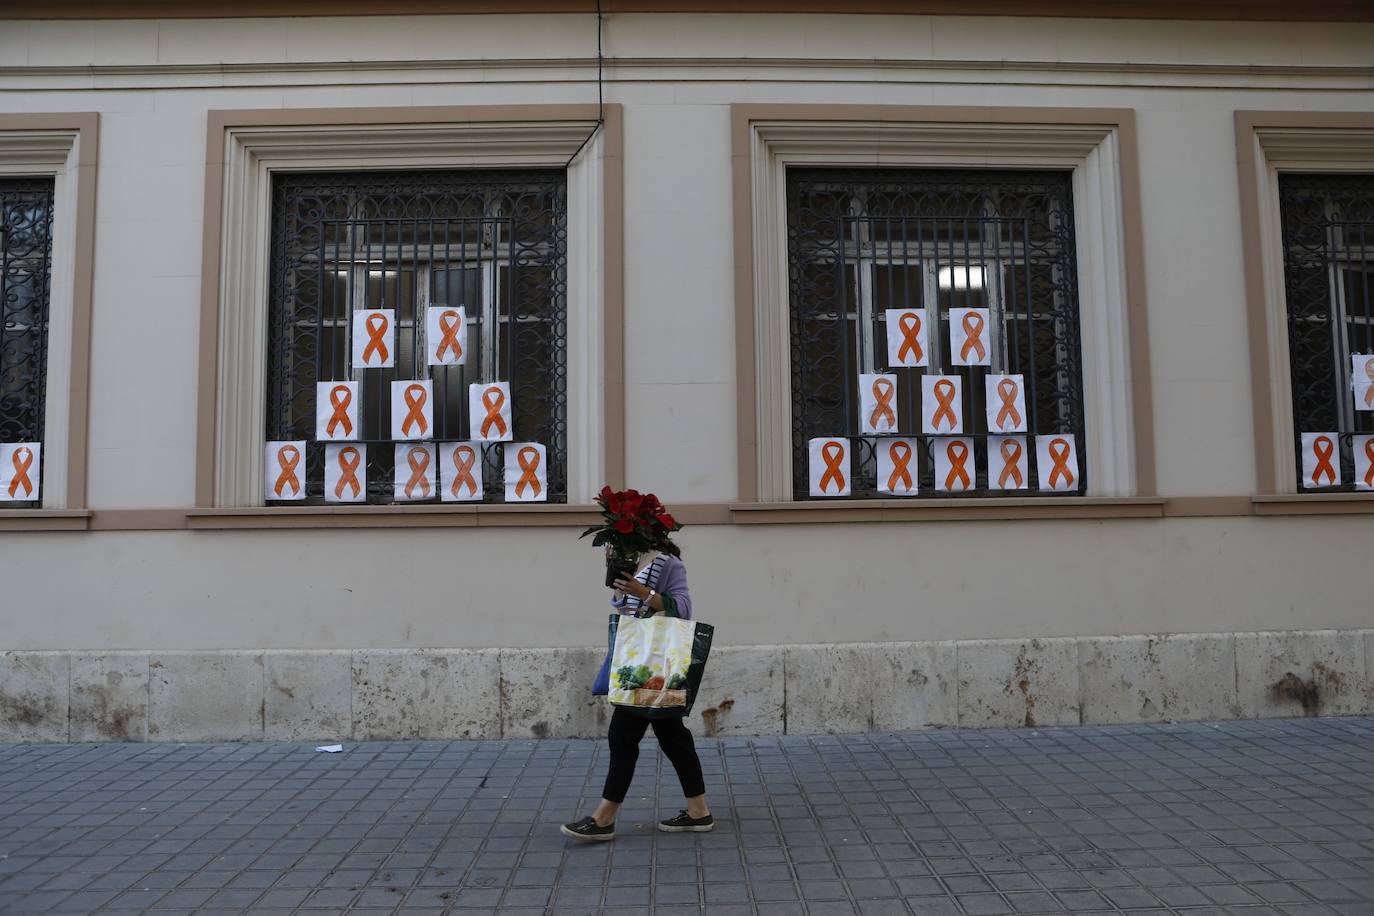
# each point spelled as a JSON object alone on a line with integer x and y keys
{"x": 1004, "y": 369}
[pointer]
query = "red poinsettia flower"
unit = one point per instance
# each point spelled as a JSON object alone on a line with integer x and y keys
{"x": 625, "y": 526}
{"x": 633, "y": 522}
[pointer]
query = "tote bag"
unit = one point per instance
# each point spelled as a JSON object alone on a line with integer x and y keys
{"x": 657, "y": 663}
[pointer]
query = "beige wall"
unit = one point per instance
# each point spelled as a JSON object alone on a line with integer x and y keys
{"x": 153, "y": 83}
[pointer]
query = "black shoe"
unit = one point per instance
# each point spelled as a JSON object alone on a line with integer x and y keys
{"x": 684, "y": 823}
{"x": 586, "y": 829}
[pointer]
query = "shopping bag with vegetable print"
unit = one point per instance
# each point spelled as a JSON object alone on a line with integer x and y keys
{"x": 657, "y": 663}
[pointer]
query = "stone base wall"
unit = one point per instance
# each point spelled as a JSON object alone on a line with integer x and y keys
{"x": 376, "y": 694}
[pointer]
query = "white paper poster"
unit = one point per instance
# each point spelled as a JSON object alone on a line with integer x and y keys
{"x": 955, "y": 468}
{"x": 1321, "y": 460}
{"x": 489, "y": 412}
{"x": 878, "y": 403}
{"x": 412, "y": 410}
{"x": 1006, "y": 403}
{"x": 942, "y": 404}
{"x": 526, "y": 478}
{"x": 907, "y": 337}
{"x": 829, "y": 466}
{"x": 1364, "y": 462}
{"x": 20, "y": 464}
{"x": 336, "y": 411}
{"x": 1056, "y": 462}
{"x": 414, "y": 477}
{"x": 1008, "y": 463}
{"x": 283, "y": 471}
{"x": 374, "y": 339}
{"x": 970, "y": 337}
{"x": 897, "y": 466}
{"x": 446, "y": 335}
{"x": 1362, "y": 380}
{"x": 345, "y": 473}
{"x": 460, "y": 471}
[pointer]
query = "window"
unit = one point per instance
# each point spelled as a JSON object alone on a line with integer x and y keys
{"x": 26, "y": 246}
{"x": 491, "y": 241}
{"x": 861, "y": 241}
{"x": 1328, "y": 274}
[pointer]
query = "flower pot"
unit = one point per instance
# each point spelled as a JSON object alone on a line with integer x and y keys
{"x": 619, "y": 563}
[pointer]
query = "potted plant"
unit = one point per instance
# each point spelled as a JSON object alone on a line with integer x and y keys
{"x": 633, "y": 523}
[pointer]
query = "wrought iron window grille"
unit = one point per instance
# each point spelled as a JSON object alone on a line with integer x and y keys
{"x": 1328, "y": 278}
{"x": 26, "y": 215}
{"x": 861, "y": 241}
{"x": 493, "y": 242}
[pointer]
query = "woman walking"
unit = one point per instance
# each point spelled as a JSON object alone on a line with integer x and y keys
{"x": 658, "y": 586}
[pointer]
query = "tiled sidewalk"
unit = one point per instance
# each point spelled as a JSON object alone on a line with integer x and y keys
{"x": 1243, "y": 817}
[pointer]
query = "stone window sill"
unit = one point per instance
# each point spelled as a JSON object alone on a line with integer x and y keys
{"x": 45, "y": 519}
{"x": 1314, "y": 503}
{"x": 427, "y": 516}
{"x": 895, "y": 510}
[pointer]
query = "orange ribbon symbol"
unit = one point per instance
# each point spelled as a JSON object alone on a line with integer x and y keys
{"x": 493, "y": 399}
{"x": 1369, "y": 393}
{"x": 899, "y": 464}
{"x": 288, "y": 456}
{"x": 1369, "y": 453}
{"x": 340, "y": 405}
{"x": 1324, "y": 450}
{"x": 376, "y": 342}
{"x": 944, "y": 404}
{"x": 910, "y": 326}
{"x": 22, "y": 459}
{"x": 957, "y": 453}
{"x": 1011, "y": 461}
{"x": 973, "y": 326}
{"x": 832, "y": 453}
{"x": 1059, "y": 454}
{"x": 418, "y": 459}
{"x": 464, "y": 457}
{"x": 883, "y": 390}
{"x": 529, "y": 470}
{"x": 1008, "y": 417}
{"x": 349, "y": 462}
{"x": 450, "y": 323}
{"x": 415, "y": 398}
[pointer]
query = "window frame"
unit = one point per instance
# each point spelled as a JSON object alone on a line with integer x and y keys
{"x": 1267, "y": 143}
{"x": 1097, "y": 145}
{"x": 245, "y": 148}
{"x": 61, "y": 146}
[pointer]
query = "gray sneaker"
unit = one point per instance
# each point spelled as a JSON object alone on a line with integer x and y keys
{"x": 685, "y": 823}
{"x": 587, "y": 829}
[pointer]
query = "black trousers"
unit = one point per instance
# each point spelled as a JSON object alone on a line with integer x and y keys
{"x": 627, "y": 729}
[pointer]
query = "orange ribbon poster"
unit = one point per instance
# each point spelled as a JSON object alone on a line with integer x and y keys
{"x": 412, "y": 410}
{"x": 877, "y": 404}
{"x": 1005, "y": 397}
{"x": 1321, "y": 460}
{"x": 1362, "y": 376}
{"x": 897, "y": 466}
{"x": 1363, "y": 446}
{"x": 283, "y": 472}
{"x": 1056, "y": 462}
{"x": 460, "y": 472}
{"x": 942, "y": 404}
{"x": 907, "y": 338}
{"x": 345, "y": 473}
{"x": 416, "y": 470}
{"x": 20, "y": 465}
{"x": 489, "y": 412}
{"x": 374, "y": 339}
{"x": 829, "y": 465}
{"x": 526, "y": 472}
{"x": 955, "y": 469}
{"x": 446, "y": 332}
{"x": 970, "y": 337}
{"x": 336, "y": 411}
{"x": 1008, "y": 463}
